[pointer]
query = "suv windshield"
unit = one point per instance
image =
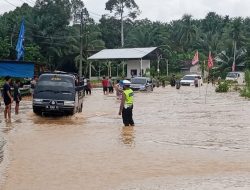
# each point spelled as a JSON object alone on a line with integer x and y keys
{"x": 138, "y": 81}
{"x": 231, "y": 75}
{"x": 55, "y": 84}
{"x": 188, "y": 77}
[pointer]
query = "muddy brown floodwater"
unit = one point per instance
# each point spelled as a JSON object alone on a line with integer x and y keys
{"x": 178, "y": 143}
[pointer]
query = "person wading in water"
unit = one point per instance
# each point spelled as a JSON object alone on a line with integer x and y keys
{"x": 17, "y": 95}
{"x": 126, "y": 107}
{"x": 8, "y": 99}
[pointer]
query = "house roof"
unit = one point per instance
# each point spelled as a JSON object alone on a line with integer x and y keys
{"x": 126, "y": 53}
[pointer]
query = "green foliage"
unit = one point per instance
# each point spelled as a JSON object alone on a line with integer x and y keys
{"x": 225, "y": 59}
{"x": 119, "y": 6}
{"x": 187, "y": 32}
{"x": 50, "y": 37}
{"x": 223, "y": 87}
{"x": 32, "y": 53}
{"x": 4, "y": 48}
{"x": 246, "y": 90}
{"x": 110, "y": 29}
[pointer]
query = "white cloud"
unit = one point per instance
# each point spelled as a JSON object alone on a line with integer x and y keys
{"x": 164, "y": 10}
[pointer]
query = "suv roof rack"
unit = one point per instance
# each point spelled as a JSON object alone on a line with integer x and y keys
{"x": 60, "y": 72}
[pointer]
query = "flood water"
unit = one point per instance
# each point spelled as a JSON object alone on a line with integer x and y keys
{"x": 178, "y": 143}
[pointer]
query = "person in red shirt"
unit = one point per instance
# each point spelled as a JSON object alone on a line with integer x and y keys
{"x": 105, "y": 84}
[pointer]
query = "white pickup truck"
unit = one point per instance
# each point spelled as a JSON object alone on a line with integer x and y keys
{"x": 236, "y": 76}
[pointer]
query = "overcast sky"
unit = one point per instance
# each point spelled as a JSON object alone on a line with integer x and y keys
{"x": 161, "y": 10}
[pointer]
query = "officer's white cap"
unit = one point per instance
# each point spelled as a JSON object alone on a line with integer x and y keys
{"x": 126, "y": 82}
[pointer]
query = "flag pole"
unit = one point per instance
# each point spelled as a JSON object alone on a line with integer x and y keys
{"x": 207, "y": 78}
{"x": 207, "y": 87}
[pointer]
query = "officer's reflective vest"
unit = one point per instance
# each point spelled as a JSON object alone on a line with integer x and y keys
{"x": 129, "y": 94}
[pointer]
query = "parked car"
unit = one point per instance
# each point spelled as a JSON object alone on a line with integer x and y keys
{"x": 236, "y": 76}
{"x": 188, "y": 80}
{"x": 142, "y": 84}
{"x": 58, "y": 93}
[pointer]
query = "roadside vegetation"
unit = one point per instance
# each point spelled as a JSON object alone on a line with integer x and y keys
{"x": 223, "y": 87}
{"x": 246, "y": 90}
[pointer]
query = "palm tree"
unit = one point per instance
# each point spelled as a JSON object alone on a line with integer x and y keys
{"x": 236, "y": 35}
{"x": 225, "y": 59}
{"x": 142, "y": 37}
{"x": 208, "y": 42}
{"x": 213, "y": 23}
{"x": 187, "y": 32}
{"x": 92, "y": 42}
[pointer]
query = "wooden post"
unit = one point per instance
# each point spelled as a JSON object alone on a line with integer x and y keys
{"x": 141, "y": 67}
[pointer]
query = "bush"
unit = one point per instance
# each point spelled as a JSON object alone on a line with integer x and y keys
{"x": 246, "y": 91}
{"x": 223, "y": 87}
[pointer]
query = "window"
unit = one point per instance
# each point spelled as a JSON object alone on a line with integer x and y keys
{"x": 133, "y": 72}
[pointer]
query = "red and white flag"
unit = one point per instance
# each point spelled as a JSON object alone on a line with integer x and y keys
{"x": 196, "y": 58}
{"x": 210, "y": 62}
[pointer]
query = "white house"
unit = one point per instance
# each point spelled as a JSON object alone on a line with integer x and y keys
{"x": 134, "y": 68}
{"x": 137, "y": 59}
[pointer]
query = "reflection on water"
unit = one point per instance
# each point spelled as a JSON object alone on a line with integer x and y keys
{"x": 128, "y": 135}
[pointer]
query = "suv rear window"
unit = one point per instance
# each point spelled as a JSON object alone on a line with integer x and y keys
{"x": 138, "y": 81}
{"x": 188, "y": 77}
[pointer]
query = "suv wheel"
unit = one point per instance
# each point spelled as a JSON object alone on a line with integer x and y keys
{"x": 37, "y": 111}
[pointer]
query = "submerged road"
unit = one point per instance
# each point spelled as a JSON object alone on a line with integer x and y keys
{"x": 179, "y": 142}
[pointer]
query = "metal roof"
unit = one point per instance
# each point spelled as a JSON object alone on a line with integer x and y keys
{"x": 126, "y": 53}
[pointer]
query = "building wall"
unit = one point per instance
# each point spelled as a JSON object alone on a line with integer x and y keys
{"x": 195, "y": 69}
{"x": 135, "y": 65}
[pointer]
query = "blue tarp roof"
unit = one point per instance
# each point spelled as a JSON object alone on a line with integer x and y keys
{"x": 17, "y": 69}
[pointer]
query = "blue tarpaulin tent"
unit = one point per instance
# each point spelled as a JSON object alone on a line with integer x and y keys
{"x": 17, "y": 69}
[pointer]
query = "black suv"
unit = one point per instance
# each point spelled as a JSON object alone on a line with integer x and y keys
{"x": 58, "y": 92}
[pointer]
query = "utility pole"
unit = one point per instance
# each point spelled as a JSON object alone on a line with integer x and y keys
{"x": 122, "y": 28}
{"x": 81, "y": 44}
{"x": 234, "y": 61}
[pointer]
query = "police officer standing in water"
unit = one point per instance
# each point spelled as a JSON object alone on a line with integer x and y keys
{"x": 126, "y": 107}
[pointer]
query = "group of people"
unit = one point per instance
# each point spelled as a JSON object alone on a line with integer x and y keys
{"x": 9, "y": 98}
{"x": 87, "y": 86}
{"x": 107, "y": 85}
